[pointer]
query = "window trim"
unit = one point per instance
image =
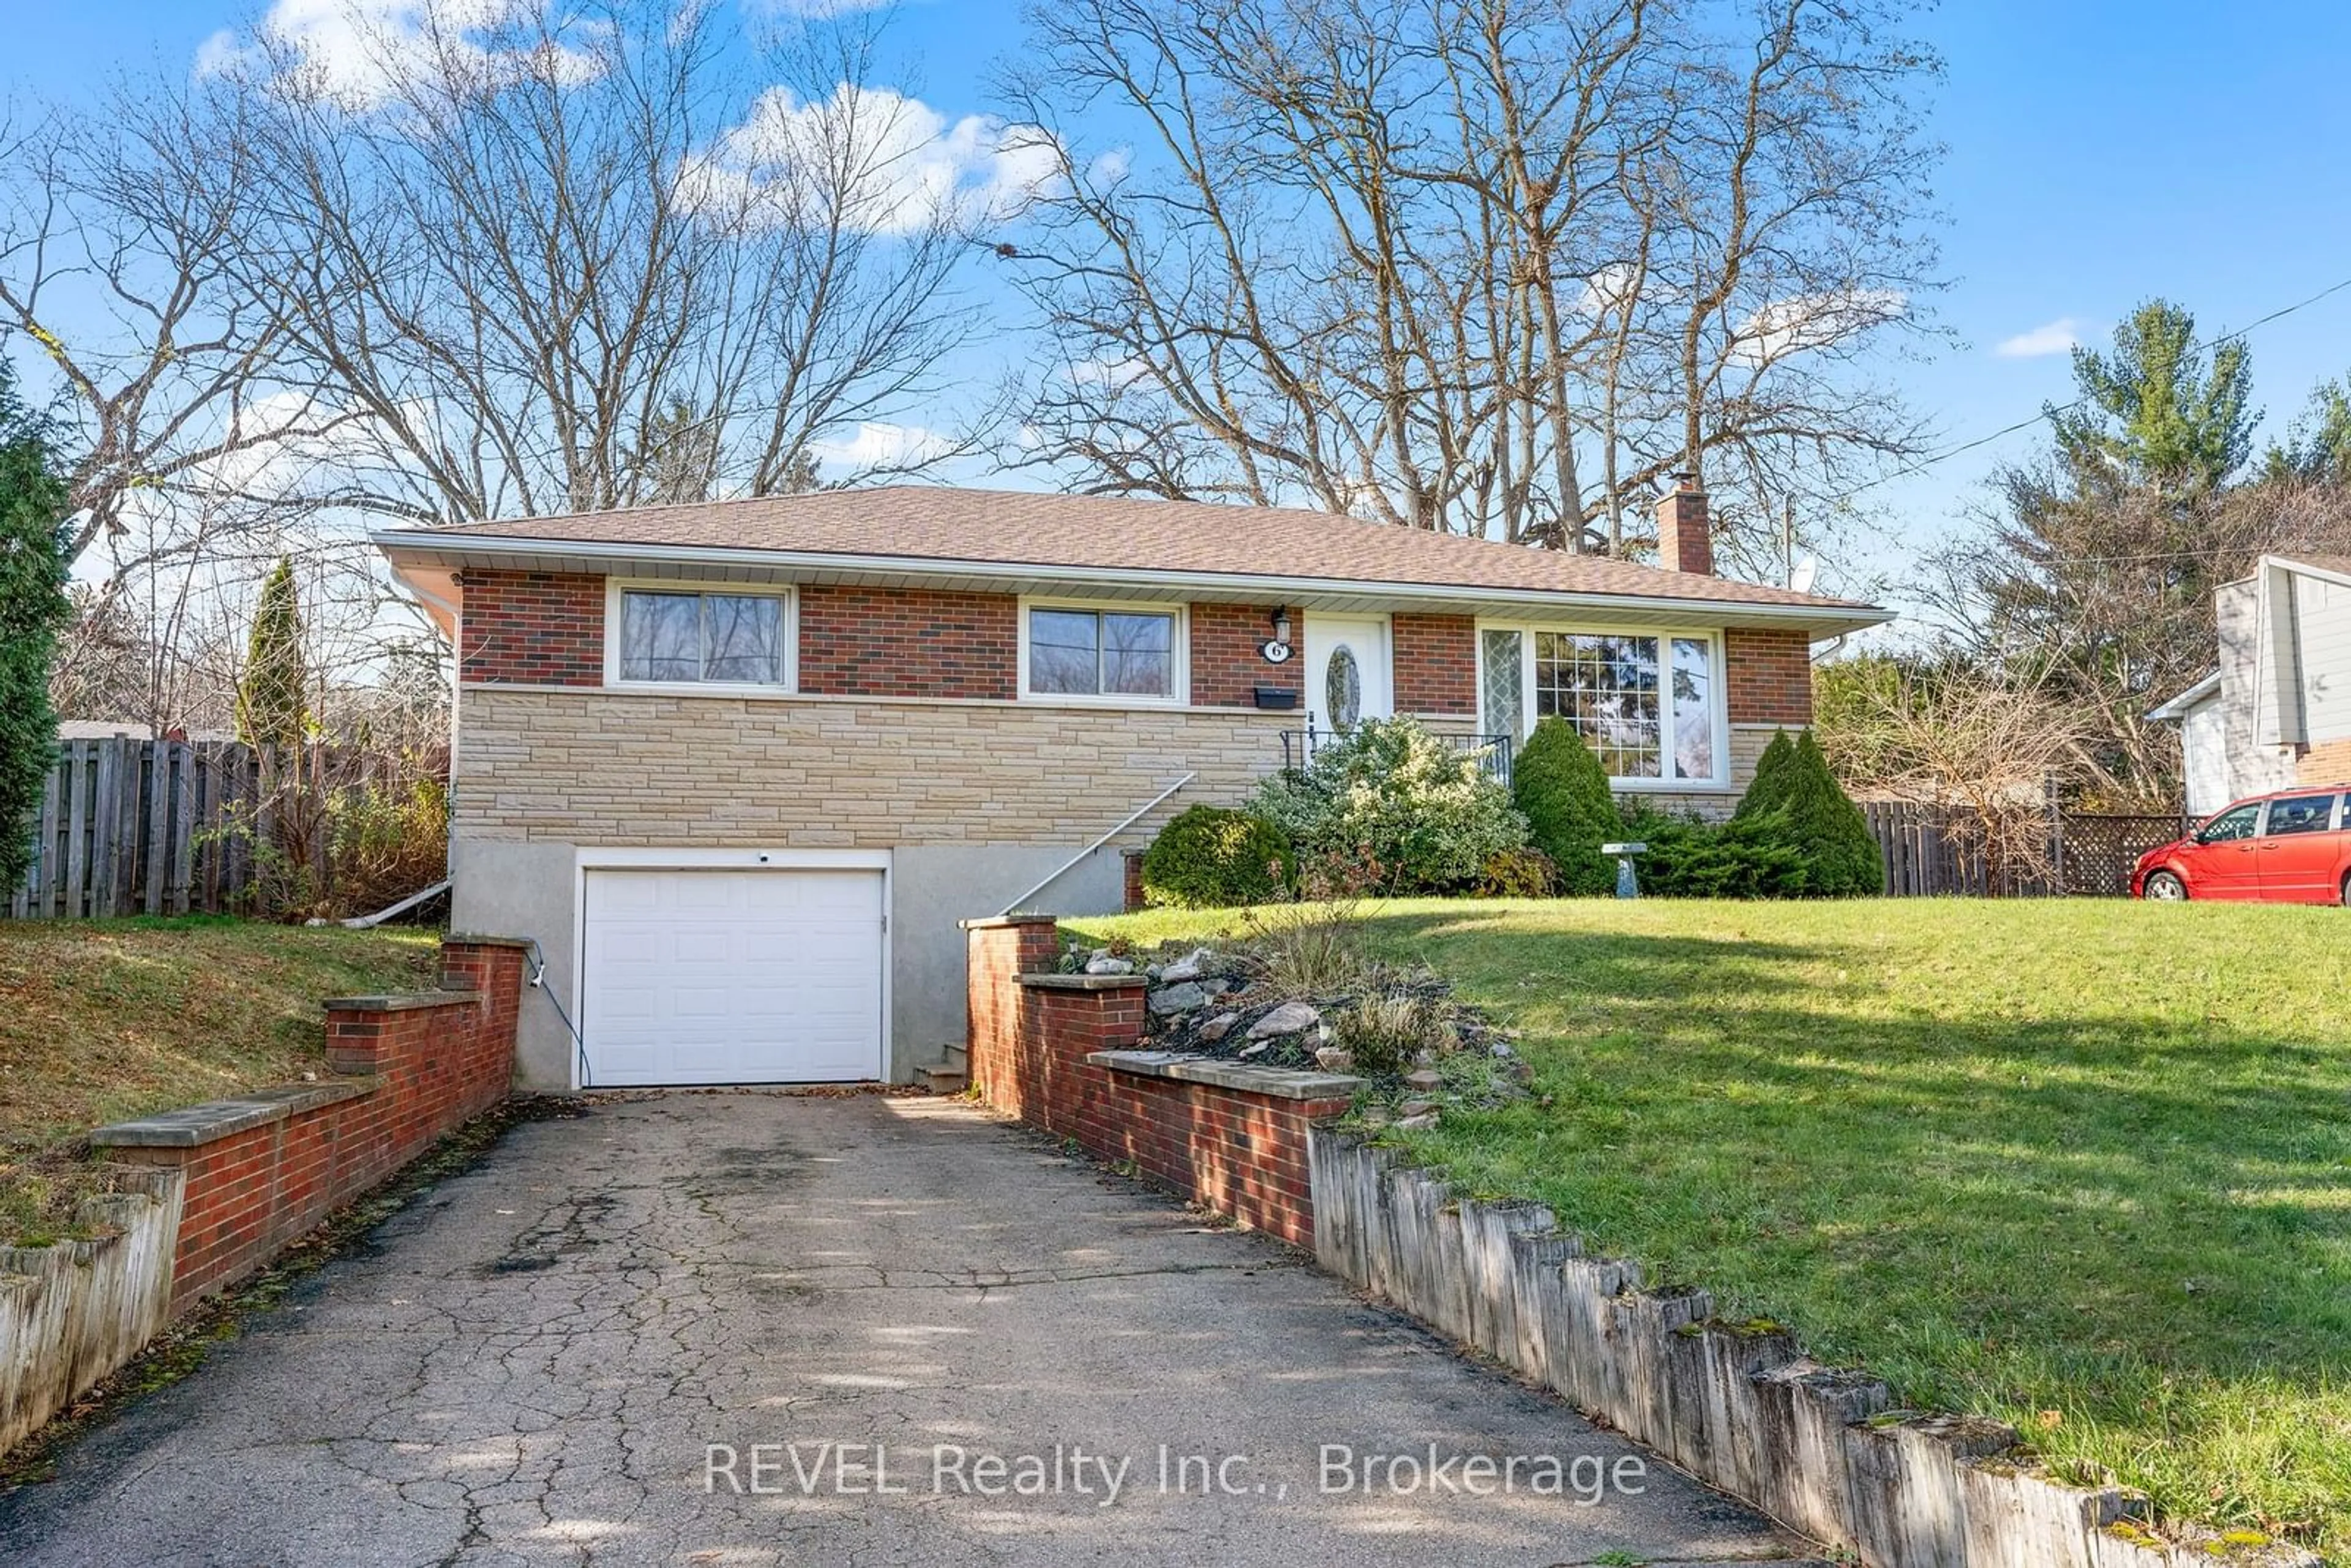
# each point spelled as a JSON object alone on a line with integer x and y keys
{"x": 615, "y": 586}
{"x": 1179, "y": 651}
{"x": 1666, "y": 634}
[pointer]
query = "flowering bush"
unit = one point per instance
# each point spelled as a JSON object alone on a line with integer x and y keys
{"x": 1413, "y": 813}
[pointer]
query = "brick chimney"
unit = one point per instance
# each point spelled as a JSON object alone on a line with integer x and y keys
{"x": 1684, "y": 542}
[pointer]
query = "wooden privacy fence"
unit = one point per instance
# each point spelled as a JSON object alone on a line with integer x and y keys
{"x": 171, "y": 827}
{"x": 1934, "y": 851}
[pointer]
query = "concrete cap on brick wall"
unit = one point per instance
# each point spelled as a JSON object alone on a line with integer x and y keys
{"x": 399, "y": 1001}
{"x": 993, "y": 921}
{"x": 216, "y": 1119}
{"x": 1185, "y": 1067}
{"x": 1084, "y": 982}
{"x": 475, "y": 939}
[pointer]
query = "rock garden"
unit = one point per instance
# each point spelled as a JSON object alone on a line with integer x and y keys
{"x": 1294, "y": 988}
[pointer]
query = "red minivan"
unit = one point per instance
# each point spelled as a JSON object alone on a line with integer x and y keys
{"x": 2293, "y": 847}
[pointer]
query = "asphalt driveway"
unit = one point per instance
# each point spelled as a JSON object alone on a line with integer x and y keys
{"x": 752, "y": 1329}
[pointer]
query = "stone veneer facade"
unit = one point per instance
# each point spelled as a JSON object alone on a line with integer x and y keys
{"x": 905, "y": 736}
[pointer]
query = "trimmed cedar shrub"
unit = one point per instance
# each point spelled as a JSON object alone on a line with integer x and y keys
{"x": 33, "y": 608}
{"x": 1211, "y": 857}
{"x": 1746, "y": 857}
{"x": 1526, "y": 872}
{"x": 1391, "y": 808}
{"x": 1794, "y": 789}
{"x": 1563, "y": 791}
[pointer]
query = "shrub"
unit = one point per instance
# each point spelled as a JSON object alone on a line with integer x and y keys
{"x": 1210, "y": 857}
{"x": 1386, "y": 1032}
{"x": 1417, "y": 815}
{"x": 1747, "y": 857}
{"x": 1311, "y": 949}
{"x": 1525, "y": 873}
{"x": 1793, "y": 787}
{"x": 1564, "y": 793}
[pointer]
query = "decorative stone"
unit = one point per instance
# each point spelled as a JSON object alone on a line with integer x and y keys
{"x": 1378, "y": 1116}
{"x": 1171, "y": 999}
{"x": 1191, "y": 967}
{"x": 1410, "y": 1108}
{"x": 1420, "y": 1123}
{"x": 1106, "y": 965}
{"x": 1260, "y": 1049}
{"x": 1335, "y": 1059}
{"x": 1217, "y": 1027}
{"x": 1290, "y": 1018}
{"x": 1425, "y": 1077}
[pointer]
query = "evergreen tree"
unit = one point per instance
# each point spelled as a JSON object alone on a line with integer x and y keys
{"x": 33, "y": 608}
{"x": 1768, "y": 790}
{"x": 1794, "y": 789}
{"x": 1563, "y": 791}
{"x": 272, "y": 700}
{"x": 2156, "y": 410}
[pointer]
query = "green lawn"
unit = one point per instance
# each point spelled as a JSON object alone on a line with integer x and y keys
{"x": 104, "y": 1019}
{"x": 2083, "y": 1166}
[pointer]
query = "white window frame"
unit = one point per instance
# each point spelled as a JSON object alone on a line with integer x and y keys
{"x": 1179, "y": 652}
{"x": 1718, "y": 698}
{"x": 615, "y": 586}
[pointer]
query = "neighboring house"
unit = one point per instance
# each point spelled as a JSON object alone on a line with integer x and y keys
{"x": 741, "y": 767}
{"x": 2277, "y": 710}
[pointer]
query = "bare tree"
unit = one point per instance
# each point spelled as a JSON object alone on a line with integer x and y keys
{"x": 2078, "y": 582}
{"x": 570, "y": 261}
{"x": 1476, "y": 265}
{"x": 1987, "y": 750}
{"x": 115, "y": 268}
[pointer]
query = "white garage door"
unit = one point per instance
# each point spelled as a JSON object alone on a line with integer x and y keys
{"x": 733, "y": 976}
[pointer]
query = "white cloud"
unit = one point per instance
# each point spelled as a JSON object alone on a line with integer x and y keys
{"x": 1605, "y": 291}
{"x": 819, "y": 10}
{"x": 882, "y": 162}
{"x": 357, "y": 51}
{"x": 1112, "y": 375}
{"x": 2049, "y": 337}
{"x": 881, "y": 444}
{"x": 1806, "y": 321}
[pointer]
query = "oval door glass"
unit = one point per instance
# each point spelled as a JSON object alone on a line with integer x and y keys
{"x": 1343, "y": 688}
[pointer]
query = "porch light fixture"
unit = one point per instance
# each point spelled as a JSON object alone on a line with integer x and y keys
{"x": 1276, "y": 648}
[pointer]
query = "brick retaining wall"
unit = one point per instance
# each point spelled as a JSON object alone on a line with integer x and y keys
{"x": 265, "y": 1168}
{"x": 1058, "y": 1051}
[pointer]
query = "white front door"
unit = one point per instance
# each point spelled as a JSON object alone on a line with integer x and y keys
{"x": 1346, "y": 670}
{"x": 732, "y": 976}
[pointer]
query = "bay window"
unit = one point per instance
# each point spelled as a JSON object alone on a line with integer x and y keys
{"x": 1648, "y": 703}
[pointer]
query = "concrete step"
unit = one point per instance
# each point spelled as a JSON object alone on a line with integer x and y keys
{"x": 943, "y": 1080}
{"x": 957, "y": 1057}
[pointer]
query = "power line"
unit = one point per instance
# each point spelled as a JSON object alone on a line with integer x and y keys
{"x": 2047, "y": 413}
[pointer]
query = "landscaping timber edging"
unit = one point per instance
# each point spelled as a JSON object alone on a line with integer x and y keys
{"x": 1739, "y": 1405}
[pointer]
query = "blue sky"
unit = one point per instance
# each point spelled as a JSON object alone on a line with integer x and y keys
{"x": 2098, "y": 153}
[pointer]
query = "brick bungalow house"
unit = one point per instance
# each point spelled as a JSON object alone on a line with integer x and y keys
{"x": 740, "y": 768}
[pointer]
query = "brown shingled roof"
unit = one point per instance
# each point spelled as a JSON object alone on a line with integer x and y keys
{"x": 1007, "y": 527}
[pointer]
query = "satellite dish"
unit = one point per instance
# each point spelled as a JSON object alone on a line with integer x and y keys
{"x": 1803, "y": 574}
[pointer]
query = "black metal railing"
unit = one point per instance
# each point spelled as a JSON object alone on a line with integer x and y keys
{"x": 1299, "y": 747}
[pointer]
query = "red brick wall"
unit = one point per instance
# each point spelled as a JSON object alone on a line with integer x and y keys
{"x": 434, "y": 1066}
{"x": 908, "y": 643}
{"x": 1226, "y": 668}
{"x": 532, "y": 628}
{"x": 1240, "y": 1153}
{"x": 1770, "y": 675}
{"x": 1436, "y": 663}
